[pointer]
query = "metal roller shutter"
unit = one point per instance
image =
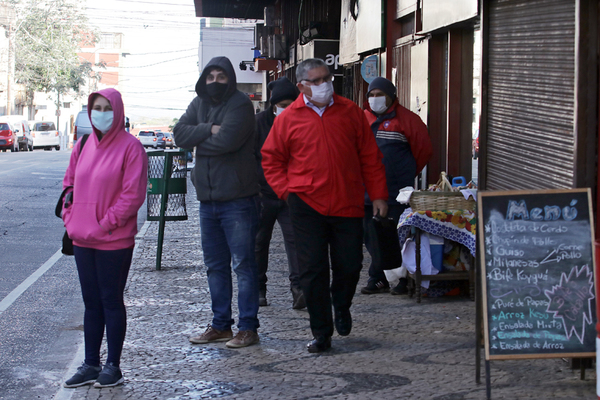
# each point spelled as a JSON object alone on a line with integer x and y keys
{"x": 531, "y": 92}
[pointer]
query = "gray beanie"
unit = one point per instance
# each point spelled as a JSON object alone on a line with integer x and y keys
{"x": 282, "y": 89}
{"x": 385, "y": 85}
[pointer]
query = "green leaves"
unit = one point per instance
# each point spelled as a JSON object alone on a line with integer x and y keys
{"x": 48, "y": 35}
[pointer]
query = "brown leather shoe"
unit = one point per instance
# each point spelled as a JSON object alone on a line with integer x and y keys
{"x": 212, "y": 335}
{"x": 243, "y": 339}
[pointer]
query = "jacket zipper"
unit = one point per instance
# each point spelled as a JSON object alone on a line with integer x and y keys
{"x": 327, "y": 145}
{"x": 208, "y": 177}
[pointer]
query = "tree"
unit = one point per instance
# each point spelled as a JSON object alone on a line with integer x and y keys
{"x": 48, "y": 34}
{"x": 174, "y": 122}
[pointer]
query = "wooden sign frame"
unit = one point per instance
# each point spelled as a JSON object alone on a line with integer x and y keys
{"x": 482, "y": 261}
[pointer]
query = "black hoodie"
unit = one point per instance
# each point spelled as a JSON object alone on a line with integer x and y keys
{"x": 226, "y": 166}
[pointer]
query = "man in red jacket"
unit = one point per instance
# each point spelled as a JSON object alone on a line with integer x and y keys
{"x": 319, "y": 157}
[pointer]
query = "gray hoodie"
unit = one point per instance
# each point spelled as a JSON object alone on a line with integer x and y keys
{"x": 226, "y": 165}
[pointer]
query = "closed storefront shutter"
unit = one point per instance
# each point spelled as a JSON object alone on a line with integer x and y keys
{"x": 530, "y": 142}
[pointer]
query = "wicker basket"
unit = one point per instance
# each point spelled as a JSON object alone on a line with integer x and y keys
{"x": 439, "y": 201}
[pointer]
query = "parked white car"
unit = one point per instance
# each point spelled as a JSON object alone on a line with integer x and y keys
{"x": 45, "y": 135}
{"x": 151, "y": 139}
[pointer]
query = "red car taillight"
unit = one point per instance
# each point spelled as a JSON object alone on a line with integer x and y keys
{"x": 33, "y": 134}
{"x": 56, "y": 134}
{"x": 154, "y": 139}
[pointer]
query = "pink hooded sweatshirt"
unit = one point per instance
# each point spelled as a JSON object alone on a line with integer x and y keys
{"x": 109, "y": 181}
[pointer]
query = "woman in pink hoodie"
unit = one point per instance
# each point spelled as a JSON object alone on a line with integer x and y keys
{"x": 109, "y": 177}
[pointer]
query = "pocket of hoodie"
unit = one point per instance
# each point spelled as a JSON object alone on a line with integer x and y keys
{"x": 83, "y": 225}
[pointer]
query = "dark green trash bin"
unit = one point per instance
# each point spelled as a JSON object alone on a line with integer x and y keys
{"x": 167, "y": 187}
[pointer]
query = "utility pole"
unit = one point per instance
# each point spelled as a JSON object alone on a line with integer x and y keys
{"x": 9, "y": 70}
{"x": 57, "y": 108}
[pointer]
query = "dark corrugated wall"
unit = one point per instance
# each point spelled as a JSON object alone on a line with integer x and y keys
{"x": 401, "y": 61}
{"x": 530, "y": 111}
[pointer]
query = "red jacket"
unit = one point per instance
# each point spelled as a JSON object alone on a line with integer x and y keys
{"x": 404, "y": 141}
{"x": 408, "y": 124}
{"x": 328, "y": 161}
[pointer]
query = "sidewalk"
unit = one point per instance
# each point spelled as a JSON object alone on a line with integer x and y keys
{"x": 398, "y": 349}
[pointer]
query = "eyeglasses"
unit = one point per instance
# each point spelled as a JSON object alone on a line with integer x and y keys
{"x": 318, "y": 81}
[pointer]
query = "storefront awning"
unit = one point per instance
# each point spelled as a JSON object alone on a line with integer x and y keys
{"x": 246, "y": 9}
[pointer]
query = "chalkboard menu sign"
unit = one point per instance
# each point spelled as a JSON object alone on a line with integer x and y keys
{"x": 537, "y": 263}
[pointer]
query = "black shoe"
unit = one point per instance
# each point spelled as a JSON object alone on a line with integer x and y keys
{"x": 343, "y": 322}
{"x": 319, "y": 344}
{"x": 401, "y": 287}
{"x": 376, "y": 287}
{"x": 262, "y": 298}
{"x": 85, "y": 375}
{"x": 110, "y": 376}
{"x": 299, "y": 302}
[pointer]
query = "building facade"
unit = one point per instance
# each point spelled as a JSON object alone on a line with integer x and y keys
{"x": 522, "y": 75}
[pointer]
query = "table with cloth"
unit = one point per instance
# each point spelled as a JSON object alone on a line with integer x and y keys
{"x": 459, "y": 226}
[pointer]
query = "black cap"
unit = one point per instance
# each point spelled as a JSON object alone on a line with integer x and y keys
{"x": 282, "y": 89}
{"x": 385, "y": 85}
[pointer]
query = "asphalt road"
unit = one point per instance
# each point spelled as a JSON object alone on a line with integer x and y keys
{"x": 40, "y": 328}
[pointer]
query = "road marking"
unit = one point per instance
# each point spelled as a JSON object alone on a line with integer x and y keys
{"x": 19, "y": 290}
{"x": 64, "y": 393}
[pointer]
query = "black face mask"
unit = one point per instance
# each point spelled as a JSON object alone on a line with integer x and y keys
{"x": 216, "y": 90}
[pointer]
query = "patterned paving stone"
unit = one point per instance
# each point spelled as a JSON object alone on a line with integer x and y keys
{"x": 398, "y": 349}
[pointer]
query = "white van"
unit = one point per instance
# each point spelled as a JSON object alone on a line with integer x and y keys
{"x": 45, "y": 136}
{"x": 19, "y": 125}
{"x": 83, "y": 125}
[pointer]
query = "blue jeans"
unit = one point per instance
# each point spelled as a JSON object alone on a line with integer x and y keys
{"x": 228, "y": 231}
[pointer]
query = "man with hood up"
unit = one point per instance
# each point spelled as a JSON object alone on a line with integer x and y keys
{"x": 220, "y": 124}
{"x": 283, "y": 93}
{"x": 404, "y": 141}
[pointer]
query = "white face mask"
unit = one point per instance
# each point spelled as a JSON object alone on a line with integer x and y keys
{"x": 278, "y": 110}
{"x": 102, "y": 120}
{"x": 378, "y": 104}
{"x": 322, "y": 93}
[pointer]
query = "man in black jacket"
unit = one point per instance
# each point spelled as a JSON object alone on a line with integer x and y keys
{"x": 283, "y": 93}
{"x": 220, "y": 124}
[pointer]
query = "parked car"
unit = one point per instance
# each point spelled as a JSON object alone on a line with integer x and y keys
{"x": 169, "y": 140}
{"x": 8, "y": 138}
{"x": 161, "y": 140}
{"x": 44, "y": 135}
{"x": 150, "y": 139}
{"x": 20, "y": 127}
{"x": 82, "y": 125}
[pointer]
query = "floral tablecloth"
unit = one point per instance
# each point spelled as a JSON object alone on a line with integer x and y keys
{"x": 457, "y": 225}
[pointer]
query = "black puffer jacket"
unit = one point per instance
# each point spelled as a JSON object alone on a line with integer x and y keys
{"x": 226, "y": 165}
{"x": 264, "y": 122}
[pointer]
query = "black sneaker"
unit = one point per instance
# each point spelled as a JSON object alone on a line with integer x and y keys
{"x": 400, "y": 288}
{"x": 262, "y": 298}
{"x": 376, "y": 287}
{"x": 110, "y": 376}
{"x": 85, "y": 375}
